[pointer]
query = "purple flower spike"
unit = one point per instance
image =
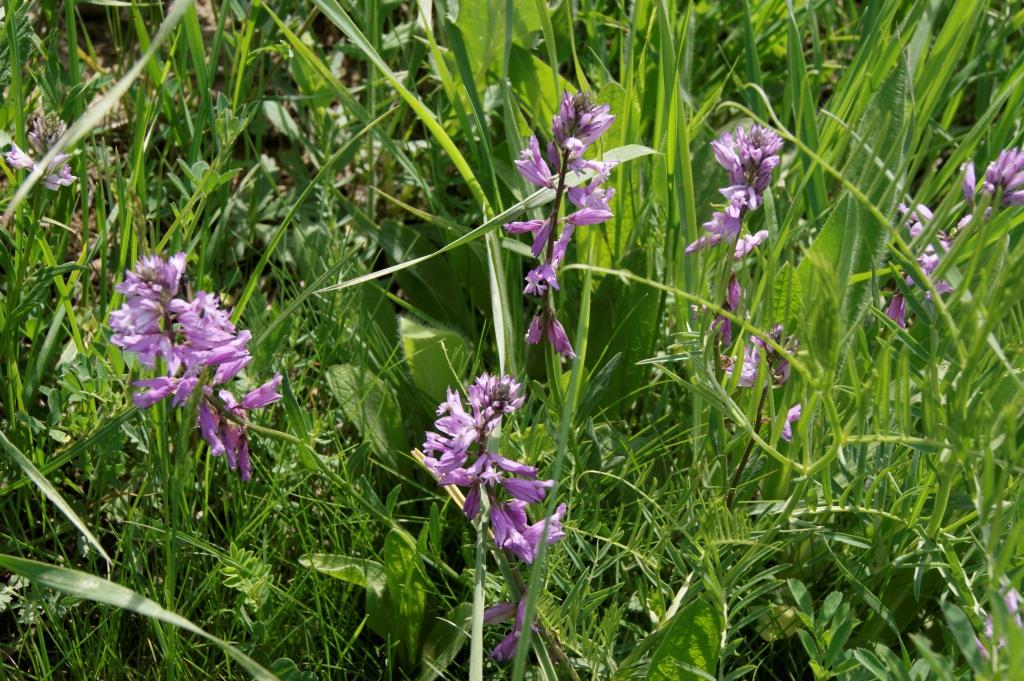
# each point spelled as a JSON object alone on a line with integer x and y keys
{"x": 1005, "y": 175}
{"x": 43, "y": 134}
{"x": 577, "y": 125}
{"x": 200, "y": 348}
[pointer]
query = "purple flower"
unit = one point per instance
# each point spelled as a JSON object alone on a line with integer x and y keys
{"x": 200, "y": 348}
{"x": 579, "y": 119}
{"x": 792, "y": 416}
{"x": 1012, "y": 601}
{"x": 1005, "y": 176}
{"x": 749, "y": 367}
{"x": 539, "y": 279}
{"x": 749, "y": 158}
{"x": 732, "y": 304}
{"x": 577, "y": 125}
{"x": 897, "y": 310}
{"x": 970, "y": 183}
{"x": 532, "y": 167}
{"x": 43, "y": 134}
{"x": 747, "y": 244}
{"x": 502, "y": 612}
{"x": 760, "y": 352}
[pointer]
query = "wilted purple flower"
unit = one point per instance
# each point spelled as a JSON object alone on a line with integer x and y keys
{"x": 792, "y": 416}
{"x": 200, "y": 348}
{"x": 897, "y": 310}
{"x": 749, "y": 158}
{"x": 577, "y": 125}
{"x": 44, "y": 132}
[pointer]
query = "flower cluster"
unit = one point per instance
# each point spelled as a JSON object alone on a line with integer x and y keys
{"x": 928, "y": 259}
{"x": 199, "y": 349}
{"x": 42, "y": 135}
{"x": 749, "y": 158}
{"x": 577, "y": 125}
{"x": 1004, "y": 178}
{"x": 461, "y": 456}
{"x": 759, "y": 356}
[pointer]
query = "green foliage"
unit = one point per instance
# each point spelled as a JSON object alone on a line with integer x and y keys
{"x": 339, "y": 173}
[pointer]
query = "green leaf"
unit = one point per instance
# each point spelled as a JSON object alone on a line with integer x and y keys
{"x": 482, "y": 24}
{"x": 803, "y": 601}
{"x": 93, "y": 588}
{"x": 406, "y": 595}
{"x": 690, "y": 645}
{"x": 444, "y": 641}
{"x": 436, "y": 358}
{"x": 370, "y": 404}
{"x": 787, "y": 303}
{"x": 363, "y": 572}
{"x": 964, "y": 635}
{"x": 853, "y": 238}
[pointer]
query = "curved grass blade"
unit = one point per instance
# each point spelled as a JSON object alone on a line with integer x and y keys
{"x": 53, "y": 495}
{"x": 90, "y": 587}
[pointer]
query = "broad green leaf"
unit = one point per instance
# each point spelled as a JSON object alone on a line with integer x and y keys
{"x": 444, "y": 641}
{"x": 852, "y": 239}
{"x": 964, "y": 634}
{"x": 53, "y": 495}
{"x": 363, "y": 572}
{"x": 689, "y": 646}
{"x": 437, "y": 358}
{"x": 482, "y": 24}
{"x": 370, "y": 404}
{"x": 787, "y": 301}
{"x": 534, "y": 83}
{"x": 93, "y": 588}
{"x": 406, "y": 595}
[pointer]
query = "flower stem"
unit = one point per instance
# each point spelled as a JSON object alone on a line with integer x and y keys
{"x": 746, "y": 453}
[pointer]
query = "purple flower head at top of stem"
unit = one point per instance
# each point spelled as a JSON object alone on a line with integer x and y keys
{"x": 143, "y": 325}
{"x": 461, "y": 434}
{"x": 44, "y": 132}
{"x": 579, "y": 122}
{"x": 456, "y": 429}
{"x": 200, "y": 347}
{"x": 548, "y": 326}
{"x": 749, "y": 158}
{"x": 792, "y": 416}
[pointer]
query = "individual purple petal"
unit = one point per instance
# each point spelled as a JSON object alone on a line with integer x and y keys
{"x": 532, "y": 167}
{"x": 792, "y": 416}
{"x": 186, "y": 386}
{"x": 747, "y": 244}
{"x": 970, "y": 182}
{"x": 156, "y": 390}
{"x": 530, "y": 491}
{"x": 558, "y": 339}
{"x": 704, "y": 242}
{"x": 897, "y": 310}
{"x": 528, "y": 226}
{"x": 263, "y": 395}
{"x": 471, "y": 506}
{"x": 535, "y": 333}
{"x": 209, "y": 427}
{"x": 732, "y": 298}
{"x": 500, "y": 612}
{"x": 18, "y": 159}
